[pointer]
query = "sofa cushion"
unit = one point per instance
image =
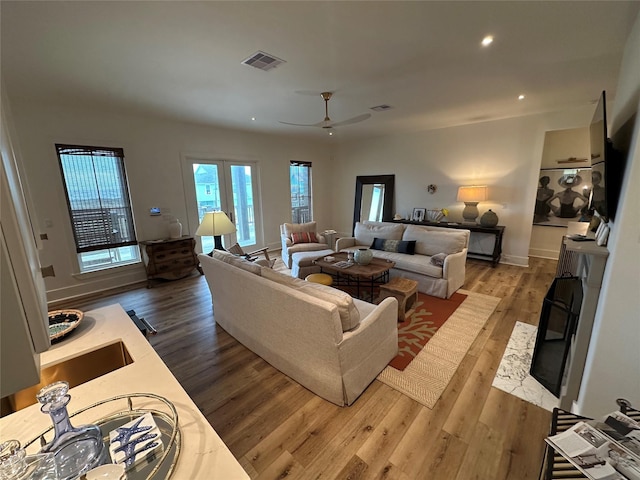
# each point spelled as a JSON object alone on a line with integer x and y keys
{"x": 419, "y": 264}
{"x": 349, "y": 315}
{"x": 290, "y": 228}
{"x": 400, "y": 246}
{"x": 431, "y": 242}
{"x": 366, "y": 232}
{"x": 237, "y": 261}
{"x": 304, "y": 237}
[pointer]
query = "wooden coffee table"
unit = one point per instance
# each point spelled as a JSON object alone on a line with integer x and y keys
{"x": 361, "y": 281}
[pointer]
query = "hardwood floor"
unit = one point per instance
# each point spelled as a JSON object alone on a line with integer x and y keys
{"x": 278, "y": 429}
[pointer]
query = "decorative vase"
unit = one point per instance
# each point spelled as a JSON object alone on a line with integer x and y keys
{"x": 175, "y": 229}
{"x": 434, "y": 216}
{"x": 76, "y": 449}
{"x": 363, "y": 256}
{"x": 489, "y": 219}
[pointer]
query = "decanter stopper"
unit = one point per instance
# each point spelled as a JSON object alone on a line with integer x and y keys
{"x": 76, "y": 449}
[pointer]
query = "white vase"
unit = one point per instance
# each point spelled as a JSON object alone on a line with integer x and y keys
{"x": 363, "y": 256}
{"x": 175, "y": 229}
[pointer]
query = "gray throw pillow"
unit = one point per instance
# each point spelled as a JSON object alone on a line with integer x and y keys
{"x": 438, "y": 259}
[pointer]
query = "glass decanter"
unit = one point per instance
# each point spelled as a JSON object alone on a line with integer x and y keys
{"x": 76, "y": 449}
{"x": 15, "y": 464}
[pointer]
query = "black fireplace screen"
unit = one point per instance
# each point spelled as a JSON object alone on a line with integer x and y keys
{"x": 558, "y": 320}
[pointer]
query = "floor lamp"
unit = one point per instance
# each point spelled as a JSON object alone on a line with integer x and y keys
{"x": 215, "y": 224}
{"x": 471, "y": 195}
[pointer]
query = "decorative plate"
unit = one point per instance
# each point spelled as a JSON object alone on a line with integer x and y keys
{"x": 63, "y": 322}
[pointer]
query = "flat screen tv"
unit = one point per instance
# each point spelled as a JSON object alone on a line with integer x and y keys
{"x": 606, "y": 165}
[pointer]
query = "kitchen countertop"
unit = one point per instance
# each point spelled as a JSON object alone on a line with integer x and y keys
{"x": 203, "y": 454}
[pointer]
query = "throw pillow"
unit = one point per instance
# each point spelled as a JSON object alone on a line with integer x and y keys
{"x": 438, "y": 259}
{"x": 399, "y": 246}
{"x": 304, "y": 237}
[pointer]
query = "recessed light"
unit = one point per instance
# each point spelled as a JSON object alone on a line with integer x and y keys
{"x": 486, "y": 41}
{"x": 330, "y": 133}
{"x": 253, "y": 119}
{"x": 520, "y": 97}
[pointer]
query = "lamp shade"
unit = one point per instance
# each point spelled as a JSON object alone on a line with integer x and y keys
{"x": 472, "y": 193}
{"x": 214, "y": 224}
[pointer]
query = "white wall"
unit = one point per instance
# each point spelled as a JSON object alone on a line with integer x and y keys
{"x": 613, "y": 363}
{"x": 153, "y": 149}
{"x": 503, "y": 154}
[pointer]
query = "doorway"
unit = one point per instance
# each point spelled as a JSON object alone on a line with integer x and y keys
{"x": 227, "y": 186}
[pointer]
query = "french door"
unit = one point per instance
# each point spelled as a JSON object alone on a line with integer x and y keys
{"x": 228, "y": 186}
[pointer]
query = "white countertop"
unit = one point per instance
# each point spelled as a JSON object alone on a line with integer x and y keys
{"x": 203, "y": 454}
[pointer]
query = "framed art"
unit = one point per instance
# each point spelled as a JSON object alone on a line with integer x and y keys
{"x": 562, "y": 196}
{"x": 418, "y": 214}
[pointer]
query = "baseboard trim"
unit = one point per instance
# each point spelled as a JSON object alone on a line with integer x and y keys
{"x": 515, "y": 260}
{"x": 544, "y": 253}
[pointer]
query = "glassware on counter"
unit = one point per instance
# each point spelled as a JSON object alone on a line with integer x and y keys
{"x": 76, "y": 449}
{"x": 15, "y": 464}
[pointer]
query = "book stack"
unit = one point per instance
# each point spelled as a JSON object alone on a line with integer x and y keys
{"x": 135, "y": 442}
{"x": 606, "y": 450}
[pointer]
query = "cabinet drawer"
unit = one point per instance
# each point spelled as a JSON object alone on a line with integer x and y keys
{"x": 171, "y": 254}
{"x": 187, "y": 243}
{"x": 175, "y": 264}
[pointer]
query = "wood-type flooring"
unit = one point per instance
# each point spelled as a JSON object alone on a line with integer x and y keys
{"x": 278, "y": 429}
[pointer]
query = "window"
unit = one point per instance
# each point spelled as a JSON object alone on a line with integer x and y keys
{"x": 99, "y": 207}
{"x": 300, "y": 174}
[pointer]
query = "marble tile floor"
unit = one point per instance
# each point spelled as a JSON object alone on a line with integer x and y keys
{"x": 513, "y": 373}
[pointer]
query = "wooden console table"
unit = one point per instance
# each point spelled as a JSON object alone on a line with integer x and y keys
{"x": 169, "y": 259}
{"x": 497, "y": 232}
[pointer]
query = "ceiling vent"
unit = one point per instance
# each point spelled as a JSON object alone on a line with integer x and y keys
{"x": 381, "y": 108}
{"x": 263, "y": 61}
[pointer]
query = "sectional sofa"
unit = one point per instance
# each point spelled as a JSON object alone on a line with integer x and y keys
{"x": 322, "y": 338}
{"x": 435, "y": 257}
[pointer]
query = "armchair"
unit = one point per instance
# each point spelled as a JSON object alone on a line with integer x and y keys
{"x": 253, "y": 256}
{"x": 293, "y": 241}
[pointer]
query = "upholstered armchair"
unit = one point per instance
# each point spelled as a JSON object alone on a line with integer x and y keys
{"x": 300, "y": 237}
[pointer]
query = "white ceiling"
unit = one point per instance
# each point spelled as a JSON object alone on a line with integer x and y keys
{"x": 182, "y": 59}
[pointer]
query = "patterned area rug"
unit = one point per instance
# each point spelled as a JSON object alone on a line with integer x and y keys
{"x": 414, "y": 333}
{"x": 426, "y": 377}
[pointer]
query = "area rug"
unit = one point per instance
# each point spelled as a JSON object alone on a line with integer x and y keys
{"x": 414, "y": 333}
{"x": 427, "y": 376}
{"x": 513, "y": 375}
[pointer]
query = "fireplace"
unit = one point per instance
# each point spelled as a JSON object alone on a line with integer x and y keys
{"x": 558, "y": 321}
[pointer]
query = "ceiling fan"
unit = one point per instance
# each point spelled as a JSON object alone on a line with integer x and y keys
{"x": 327, "y": 122}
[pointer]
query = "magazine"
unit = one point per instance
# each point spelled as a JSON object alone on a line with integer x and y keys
{"x": 607, "y": 450}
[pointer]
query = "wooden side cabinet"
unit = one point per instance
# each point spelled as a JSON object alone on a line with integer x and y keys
{"x": 169, "y": 259}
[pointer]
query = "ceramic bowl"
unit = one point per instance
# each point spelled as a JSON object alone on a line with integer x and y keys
{"x": 110, "y": 471}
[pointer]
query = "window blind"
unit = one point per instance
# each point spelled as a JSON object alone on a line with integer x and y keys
{"x": 97, "y": 197}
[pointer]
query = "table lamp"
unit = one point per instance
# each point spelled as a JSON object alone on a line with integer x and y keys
{"x": 471, "y": 195}
{"x": 215, "y": 224}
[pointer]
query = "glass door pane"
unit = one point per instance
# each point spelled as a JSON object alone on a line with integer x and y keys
{"x": 243, "y": 206}
{"x": 207, "y": 180}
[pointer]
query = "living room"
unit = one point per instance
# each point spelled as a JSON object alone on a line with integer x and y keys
{"x": 502, "y": 152}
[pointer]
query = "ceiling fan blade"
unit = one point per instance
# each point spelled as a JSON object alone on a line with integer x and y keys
{"x": 359, "y": 118}
{"x": 303, "y": 124}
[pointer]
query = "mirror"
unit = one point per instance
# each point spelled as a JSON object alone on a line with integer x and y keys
{"x": 374, "y": 198}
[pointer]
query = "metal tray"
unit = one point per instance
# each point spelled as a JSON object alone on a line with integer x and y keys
{"x": 161, "y": 466}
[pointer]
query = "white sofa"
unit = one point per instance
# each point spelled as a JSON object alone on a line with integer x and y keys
{"x": 319, "y": 336}
{"x": 289, "y": 247}
{"x": 445, "y": 245}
